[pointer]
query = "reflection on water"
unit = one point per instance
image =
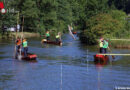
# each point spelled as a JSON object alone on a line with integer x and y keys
{"x": 78, "y": 71}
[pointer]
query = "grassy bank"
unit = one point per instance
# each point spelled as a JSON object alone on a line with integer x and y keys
{"x": 120, "y": 40}
{"x": 26, "y": 34}
{"x": 19, "y": 34}
{"x": 123, "y": 42}
{"x": 120, "y": 43}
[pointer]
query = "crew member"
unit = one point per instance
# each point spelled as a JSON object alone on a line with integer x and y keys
{"x": 58, "y": 37}
{"x": 25, "y": 47}
{"x": 18, "y": 43}
{"x": 105, "y": 45}
{"x": 47, "y": 35}
{"x": 101, "y": 45}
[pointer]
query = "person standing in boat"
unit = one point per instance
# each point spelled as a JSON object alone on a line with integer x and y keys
{"x": 101, "y": 50}
{"x": 105, "y": 46}
{"x": 25, "y": 47}
{"x": 58, "y": 37}
{"x": 18, "y": 45}
{"x": 48, "y": 35}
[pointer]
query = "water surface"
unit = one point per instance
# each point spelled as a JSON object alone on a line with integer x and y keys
{"x": 69, "y": 67}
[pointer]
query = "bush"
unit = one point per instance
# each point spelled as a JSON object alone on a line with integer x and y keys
{"x": 112, "y": 24}
{"x": 88, "y": 38}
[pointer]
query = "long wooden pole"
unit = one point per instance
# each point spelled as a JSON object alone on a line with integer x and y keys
{"x": 70, "y": 32}
{"x": 22, "y": 26}
{"x": 16, "y": 34}
{"x": 115, "y": 54}
{"x": 21, "y": 39}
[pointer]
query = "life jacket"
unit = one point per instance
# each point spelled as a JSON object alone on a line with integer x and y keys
{"x": 18, "y": 42}
{"x": 25, "y": 43}
{"x": 47, "y": 34}
{"x": 101, "y": 44}
{"x": 105, "y": 44}
{"x": 57, "y": 36}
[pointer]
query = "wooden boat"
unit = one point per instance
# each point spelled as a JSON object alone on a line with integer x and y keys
{"x": 52, "y": 42}
{"x": 101, "y": 58}
{"x": 74, "y": 32}
{"x": 29, "y": 57}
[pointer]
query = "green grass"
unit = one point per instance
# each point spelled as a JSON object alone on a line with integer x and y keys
{"x": 19, "y": 34}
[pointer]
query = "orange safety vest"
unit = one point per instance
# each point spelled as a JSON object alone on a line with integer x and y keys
{"x": 18, "y": 42}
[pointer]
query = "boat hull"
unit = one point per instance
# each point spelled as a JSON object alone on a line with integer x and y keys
{"x": 74, "y": 32}
{"x": 53, "y": 42}
{"x": 101, "y": 58}
{"x": 29, "y": 57}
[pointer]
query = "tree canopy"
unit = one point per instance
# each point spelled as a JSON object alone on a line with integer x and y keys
{"x": 98, "y": 17}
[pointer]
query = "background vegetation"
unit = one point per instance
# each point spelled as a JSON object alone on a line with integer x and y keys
{"x": 93, "y": 18}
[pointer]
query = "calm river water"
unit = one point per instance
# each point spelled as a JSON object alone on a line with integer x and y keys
{"x": 69, "y": 67}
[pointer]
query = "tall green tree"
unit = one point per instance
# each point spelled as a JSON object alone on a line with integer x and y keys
{"x": 30, "y": 12}
{"x": 64, "y": 14}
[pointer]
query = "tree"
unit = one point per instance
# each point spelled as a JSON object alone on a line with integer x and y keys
{"x": 108, "y": 25}
{"x": 121, "y": 4}
{"x": 64, "y": 14}
{"x": 30, "y": 12}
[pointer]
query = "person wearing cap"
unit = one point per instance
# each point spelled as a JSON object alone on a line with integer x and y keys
{"x": 25, "y": 47}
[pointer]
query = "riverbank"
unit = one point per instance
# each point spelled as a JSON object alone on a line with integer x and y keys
{"x": 120, "y": 39}
{"x": 120, "y": 43}
{"x": 26, "y": 34}
{"x": 19, "y": 34}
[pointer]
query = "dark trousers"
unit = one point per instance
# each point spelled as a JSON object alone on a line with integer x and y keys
{"x": 105, "y": 50}
{"x": 57, "y": 39}
{"x": 25, "y": 51}
{"x": 101, "y": 50}
{"x": 48, "y": 38}
{"x": 17, "y": 49}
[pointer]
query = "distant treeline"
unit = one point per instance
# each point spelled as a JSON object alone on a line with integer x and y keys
{"x": 93, "y": 18}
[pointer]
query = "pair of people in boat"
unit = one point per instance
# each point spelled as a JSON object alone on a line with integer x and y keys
{"x": 104, "y": 45}
{"x": 24, "y": 44}
{"x": 48, "y": 36}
